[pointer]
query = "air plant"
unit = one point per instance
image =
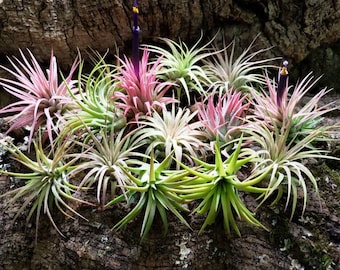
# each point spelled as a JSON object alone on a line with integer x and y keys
{"x": 47, "y": 183}
{"x": 155, "y": 188}
{"x": 42, "y": 100}
{"x": 182, "y": 66}
{"x": 95, "y": 109}
{"x": 103, "y": 158}
{"x": 218, "y": 186}
{"x": 286, "y": 132}
{"x": 174, "y": 130}
{"x": 241, "y": 74}
{"x": 139, "y": 95}
{"x": 278, "y": 108}
{"x": 223, "y": 116}
{"x": 287, "y": 158}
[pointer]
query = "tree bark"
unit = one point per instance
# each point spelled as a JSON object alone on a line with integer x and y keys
{"x": 303, "y": 32}
{"x": 295, "y": 28}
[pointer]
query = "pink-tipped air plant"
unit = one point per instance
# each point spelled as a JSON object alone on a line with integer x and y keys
{"x": 42, "y": 100}
{"x": 142, "y": 94}
{"x": 223, "y": 117}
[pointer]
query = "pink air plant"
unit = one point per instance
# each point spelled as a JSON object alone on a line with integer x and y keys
{"x": 290, "y": 110}
{"x": 140, "y": 96}
{"x": 42, "y": 101}
{"x": 266, "y": 107}
{"x": 223, "y": 118}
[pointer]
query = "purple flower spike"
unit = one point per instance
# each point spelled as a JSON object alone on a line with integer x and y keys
{"x": 282, "y": 83}
{"x": 135, "y": 40}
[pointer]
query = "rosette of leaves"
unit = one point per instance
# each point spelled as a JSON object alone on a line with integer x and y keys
{"x": 287, "y": 159}
{"x": 223, "y": 116}
{"x": 47, "y": 183}
{"x": 183, "y": 66}
{"x": 154, "y": 189}
{"x": 241, "y": 73}
{"x": 42, "y": 101}
{"x": 218, "y": 187}
{"x": 286, "y": 131}
{"x": 174, "y": 130}
{"x": 104, "y": 156}
{"x": 299, "y": 118}
{"x": 140, "y": 94}
{"x": 96, "y": 109}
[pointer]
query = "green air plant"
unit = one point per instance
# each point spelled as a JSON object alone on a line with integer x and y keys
{"x": 47, "y": 183}
{"x": 174, "y": 130}
{"x": 218, "y": 187}
{"x": 95, "y": 109}
{"x": 286, "y": 158}
{"x": 241, "y": 74}
{"x": 182, "y": 66}
{"x": 154, "y": 188}
{"x": 104, "y": 157}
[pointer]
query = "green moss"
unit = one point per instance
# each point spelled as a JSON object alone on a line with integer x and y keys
{"x": 333, "y": 174}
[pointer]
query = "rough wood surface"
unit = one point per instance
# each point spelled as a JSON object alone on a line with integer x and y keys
{"x": 294, "y": 27}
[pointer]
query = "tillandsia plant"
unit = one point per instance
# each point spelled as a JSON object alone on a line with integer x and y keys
{"x": 286, "y": 158}
{"x": 155, "y": 188}
{"x": 240, "y": 74}
{"x": 174, "y": 130}
{"x": 182, "y": 66}
{"x": 280, "y": 109}
{"x": 139, "y": 95}
{"x": 102, "y": 160}
{"x": 223, "y": 116}
{"x": 47, "y": 183}
{"x": 218, "y": 186}
{"x": 286, "y": 132}
{"x": 95, "y": 109}
{"x": 41, "y": 99}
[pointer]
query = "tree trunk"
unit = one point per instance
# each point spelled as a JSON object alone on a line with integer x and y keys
{"x": 295, "y": 28}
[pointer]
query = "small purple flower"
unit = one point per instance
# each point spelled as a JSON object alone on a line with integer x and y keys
{"x": 282, "y": 82}
{"x": 135, "y": 40}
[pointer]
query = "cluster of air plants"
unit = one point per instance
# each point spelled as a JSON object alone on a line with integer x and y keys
{"x": 124, "y": 133}
{"x": 287, "y": 131}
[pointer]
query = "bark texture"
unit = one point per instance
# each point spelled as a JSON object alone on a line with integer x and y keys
{"x": 295, "y": 28}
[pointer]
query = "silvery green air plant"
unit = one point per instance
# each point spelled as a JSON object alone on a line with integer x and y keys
{"x": 135, "y": 40}
{"x": 282, "y": 83}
